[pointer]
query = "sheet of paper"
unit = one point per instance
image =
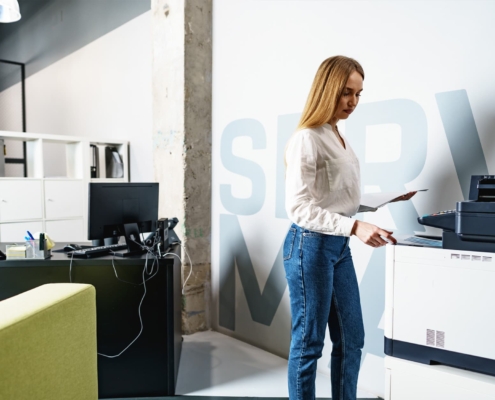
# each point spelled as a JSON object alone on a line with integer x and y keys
{"x": 376, "y": 200}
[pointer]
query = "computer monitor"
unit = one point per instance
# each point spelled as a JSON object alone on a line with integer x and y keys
{"x": 122, "y": 209}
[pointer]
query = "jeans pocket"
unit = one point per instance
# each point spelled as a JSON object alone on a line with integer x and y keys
{"x": 289, "y": 243}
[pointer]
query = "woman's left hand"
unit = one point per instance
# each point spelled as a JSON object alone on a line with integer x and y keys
{"x": 405, "y": 197}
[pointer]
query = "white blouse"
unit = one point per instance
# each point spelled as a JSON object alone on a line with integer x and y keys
{"x": 322, "y": 181}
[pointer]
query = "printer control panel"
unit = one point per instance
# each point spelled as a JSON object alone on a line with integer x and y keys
{"x": 441, "y": 219}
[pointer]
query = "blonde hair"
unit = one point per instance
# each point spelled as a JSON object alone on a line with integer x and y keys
{"x": 328, "y": 85}
{"x": 323, "y": 98}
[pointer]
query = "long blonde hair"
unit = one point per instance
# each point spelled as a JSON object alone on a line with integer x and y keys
{"x": 328, "y": 85}
{"x": 323, "y": 98}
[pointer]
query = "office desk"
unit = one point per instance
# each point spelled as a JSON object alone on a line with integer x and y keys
{"x": 149, "y": 367}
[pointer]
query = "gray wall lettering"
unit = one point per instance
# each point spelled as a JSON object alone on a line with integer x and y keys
{"x": 391, "y": 176}
{"x": 286, "y": 126}
{"x": 234, "y": 252}
{"x": 462, "y": 135}
{"x": 253, "y": 129}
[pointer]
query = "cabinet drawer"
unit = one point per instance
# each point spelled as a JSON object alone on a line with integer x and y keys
{"x": 15, "y": 232}
{"x": 66, "y": 231}
{"x": 20, "y": 200}
{"x": 63, "y": 199}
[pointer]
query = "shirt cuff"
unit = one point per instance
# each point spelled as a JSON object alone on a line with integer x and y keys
{"x": 346, "y": 225}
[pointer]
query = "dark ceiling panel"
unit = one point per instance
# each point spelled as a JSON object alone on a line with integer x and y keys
{"x": 52, "y": 29}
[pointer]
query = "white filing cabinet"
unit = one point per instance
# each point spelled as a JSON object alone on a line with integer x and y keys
{"x": 64, "y": 198}
{"x": 21, "y": 200}
{"x": 16, "y": 231}
{"x": 53, "y": 198}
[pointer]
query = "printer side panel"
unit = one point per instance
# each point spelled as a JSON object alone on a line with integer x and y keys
{"x": 389, "y": 292}
{"x": 443, "y": 299}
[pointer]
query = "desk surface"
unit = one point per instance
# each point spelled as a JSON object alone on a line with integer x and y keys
{"x": 61, "y": 259}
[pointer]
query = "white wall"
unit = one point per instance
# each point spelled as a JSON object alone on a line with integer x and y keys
{"x": 426, "y": 108}
{"x": 101, "y": 90}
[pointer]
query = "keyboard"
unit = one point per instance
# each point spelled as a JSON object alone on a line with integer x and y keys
{"x": 96, "y": 251}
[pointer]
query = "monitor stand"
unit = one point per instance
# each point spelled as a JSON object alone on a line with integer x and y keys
{"x": 106, "y": 241}
{"x": 135, "y": 246}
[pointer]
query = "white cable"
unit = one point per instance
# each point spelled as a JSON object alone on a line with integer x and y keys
{"x": 145, "y": 270}
{"x": 70, "y": 267}
{"x": 140, "y": 320}
{"x": 149, "y": 251}
{"x": 175, "y": 255}
{"x": 132, "y": 283}
{"x": 190, "y": 271}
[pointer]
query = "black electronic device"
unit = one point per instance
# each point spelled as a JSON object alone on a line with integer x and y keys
{"x": 442, "y": 219}
{"x": 163, "y": 234}
{"x": 471, "y": 226}
{"x": 97, "y": 251}
{"x": 122, "y": 209}
{"x": 172, "y": 236}
{"x": 2, "y": 255}
{"x": 72, "y": 247}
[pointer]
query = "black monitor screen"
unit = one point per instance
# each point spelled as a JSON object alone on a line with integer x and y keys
{"x": 111, "y": 205}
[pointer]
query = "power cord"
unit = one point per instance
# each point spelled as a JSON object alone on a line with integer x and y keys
{"x": 149, "y": 252}
{"x": 140, "y": 321}
{"x": 190, "y": 270}
{"x": 145, "y": 270}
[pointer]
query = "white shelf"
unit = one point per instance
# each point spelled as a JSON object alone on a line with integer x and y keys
{"x": 68, "y": 160}
{"x": 108, "y": 180}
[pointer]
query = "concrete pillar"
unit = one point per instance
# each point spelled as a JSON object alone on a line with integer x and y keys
{"x": 181, "y": 35}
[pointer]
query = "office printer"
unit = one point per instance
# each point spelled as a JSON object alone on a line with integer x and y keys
{"x": 471, "y": 226}
{"x": 439, "y": 307}
{"x": 438, "y": 302}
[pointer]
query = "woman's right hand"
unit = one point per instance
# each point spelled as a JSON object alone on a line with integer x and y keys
{"x": 371, "y": 234}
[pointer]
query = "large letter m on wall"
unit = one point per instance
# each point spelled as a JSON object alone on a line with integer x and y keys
{"x": 233, "y": 252}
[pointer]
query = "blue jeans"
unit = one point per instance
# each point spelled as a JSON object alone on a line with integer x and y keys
{"x": 323, "y": 290}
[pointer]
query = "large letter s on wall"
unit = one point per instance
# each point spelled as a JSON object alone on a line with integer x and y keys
{"x": 253, "y": 129}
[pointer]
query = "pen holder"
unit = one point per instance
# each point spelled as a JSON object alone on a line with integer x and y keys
{"x": 33, "y": 249}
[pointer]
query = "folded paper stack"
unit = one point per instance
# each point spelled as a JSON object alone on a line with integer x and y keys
{"x": 16, "y": 251}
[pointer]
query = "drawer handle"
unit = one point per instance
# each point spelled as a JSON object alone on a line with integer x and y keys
{"x": 3, "y": 201}
{"x": 49, "y": 199}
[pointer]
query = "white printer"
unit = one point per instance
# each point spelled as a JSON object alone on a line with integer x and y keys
{"x": 439, "y": 307}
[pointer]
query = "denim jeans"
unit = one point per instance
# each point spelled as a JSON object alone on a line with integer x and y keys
{"x": 323, "y": 291}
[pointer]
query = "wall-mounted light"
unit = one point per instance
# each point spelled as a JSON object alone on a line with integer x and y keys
{"x": 9, "y": 11}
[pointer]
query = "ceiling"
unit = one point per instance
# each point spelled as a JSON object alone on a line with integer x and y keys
{"x": 52, "y": 29}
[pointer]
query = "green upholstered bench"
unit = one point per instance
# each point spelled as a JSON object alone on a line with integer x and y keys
{"x": 48, "y": 344}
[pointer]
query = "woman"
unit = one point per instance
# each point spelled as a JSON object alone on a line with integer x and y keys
{"x": 322, "y": 194}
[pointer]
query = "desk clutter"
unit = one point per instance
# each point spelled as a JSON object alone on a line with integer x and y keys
{"x": 32, "y": 248}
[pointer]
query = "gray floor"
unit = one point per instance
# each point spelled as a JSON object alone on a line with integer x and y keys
{"x": 217, "y": 367}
